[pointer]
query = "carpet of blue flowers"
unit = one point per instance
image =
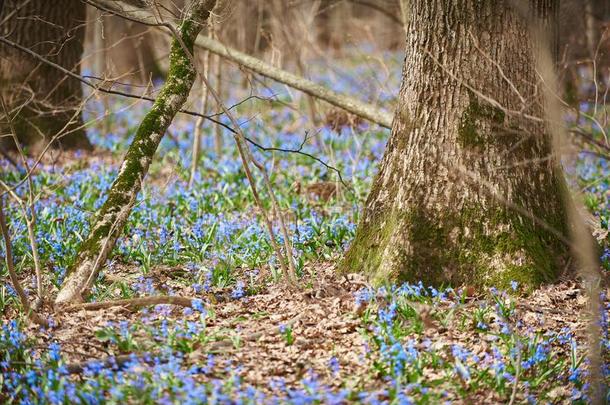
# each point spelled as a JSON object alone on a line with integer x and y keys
{"x": 249, "y": 339}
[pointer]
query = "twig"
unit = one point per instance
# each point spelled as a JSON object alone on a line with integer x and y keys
{"x": 30, "y": 219}
{"x": 111, "y": 361}
{"x": 387, "y": 13}
{"x": 590, "y": 139}
{"x": 33, "y": 316}
{"x": 299, "y": 151}
{"x": 247, "y": 158}
{"x": 151, "y": 99}
{"x": 199, "y": 123}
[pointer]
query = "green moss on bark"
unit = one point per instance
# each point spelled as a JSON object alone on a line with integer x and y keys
{"x": 475, "y": 246}
{"x": 371, "y": 239}
{"x": 112, "y": 216}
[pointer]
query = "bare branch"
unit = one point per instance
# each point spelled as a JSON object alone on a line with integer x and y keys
{"x": 349, "y": 104}
{"x": 25, "y": 302}
{"x": 100, "y": 88}
{"x": 30, "y": 217}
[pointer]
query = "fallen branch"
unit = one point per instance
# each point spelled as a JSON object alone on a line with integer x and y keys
{"x": 112, "y": 361}
{"x": 349, "y": 104}
{"x": 133, "y": 303}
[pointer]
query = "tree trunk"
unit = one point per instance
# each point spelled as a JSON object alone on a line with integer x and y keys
{"x": 467, "y": 192}
{"x": 55, "y": 30}
{"x": 112, "y": 216}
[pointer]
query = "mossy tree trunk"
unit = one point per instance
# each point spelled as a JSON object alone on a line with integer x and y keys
{"x": 438, "y": 211}
{"x": 112, "y": 216}
{"x": 50, "y": 100}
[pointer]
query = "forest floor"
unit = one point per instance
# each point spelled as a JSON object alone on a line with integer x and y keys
{"x": 333, "y": 353}
{"x": 249, "y": 337}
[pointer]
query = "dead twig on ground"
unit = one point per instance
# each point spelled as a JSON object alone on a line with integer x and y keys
{"x": 133, "y": 303}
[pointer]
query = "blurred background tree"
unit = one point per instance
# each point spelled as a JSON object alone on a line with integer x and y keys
{"x": 43, "y": 100}
{"x": 287, "y": 34}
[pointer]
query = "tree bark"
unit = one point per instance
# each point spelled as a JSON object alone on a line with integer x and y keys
{"x": 468, "y": 191}
{"x": 54, "y": 29}
{"x": 112, "y": 216}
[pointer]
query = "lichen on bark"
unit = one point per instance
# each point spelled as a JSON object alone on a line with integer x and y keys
{"x": 458, "y": 247}
{"x": 109, "y": 221}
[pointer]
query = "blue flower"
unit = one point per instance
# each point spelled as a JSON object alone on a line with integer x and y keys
{"x": 197, "y": 305}
{"x": 54, "y": 352}
{"x": 238, "y": 292}
{"x": 334, "y": 366}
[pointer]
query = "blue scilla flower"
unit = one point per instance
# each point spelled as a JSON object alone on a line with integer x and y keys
{"x": 364, "y": 295}
{"x": 197, "y": 305}
{"x": 575, "y": 375}
{"x": 54, "y": 352}
{"x": 540, "y": 353}
{"x": 334, "y": 366}
{"x": 238, "y": 292}
{"x": 460, "y": 353}
{"x": 387, "y": 315}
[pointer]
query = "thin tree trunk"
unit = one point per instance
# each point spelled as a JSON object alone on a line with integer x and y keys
{"x": 54, "y": 29}
{"x": 199, "y": 122}
{"x": 591, "y": 31}
{"x": 217, "y": 128}
{"x": 468, "y": 191}
{"x": 111, "y": 218}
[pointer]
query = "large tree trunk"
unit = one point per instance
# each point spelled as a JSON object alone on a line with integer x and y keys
{"x": 112, "y": 216}
{"x": 55, "y": 30}
{"x": 462, "y": 180}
